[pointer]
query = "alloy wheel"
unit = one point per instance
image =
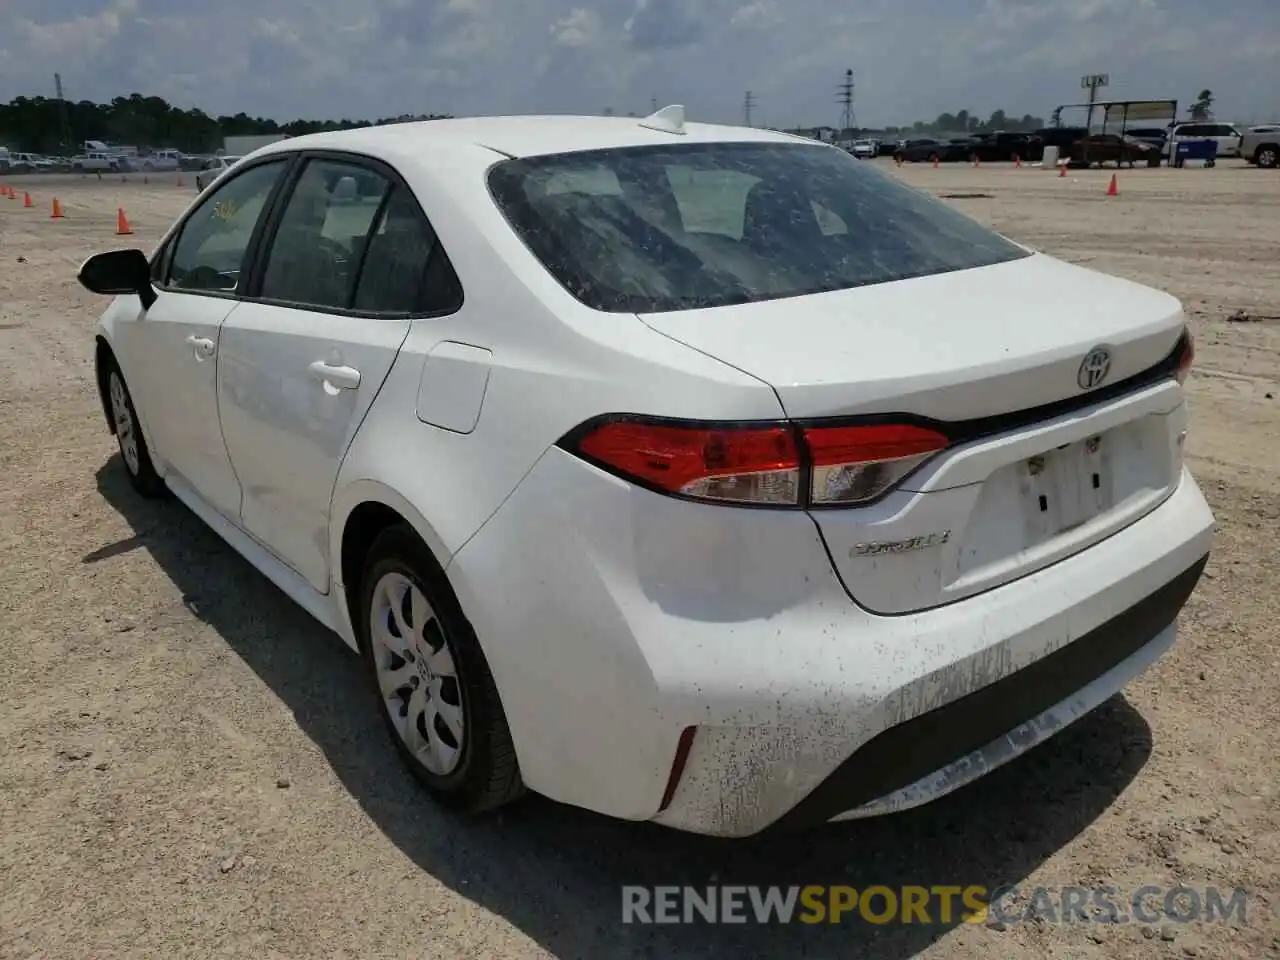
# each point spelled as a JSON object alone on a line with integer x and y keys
{"x": 126, "y": 429}
{"x": 417, "y": 675}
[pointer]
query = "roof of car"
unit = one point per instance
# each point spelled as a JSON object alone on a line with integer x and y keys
{"x": 526, "y": 136}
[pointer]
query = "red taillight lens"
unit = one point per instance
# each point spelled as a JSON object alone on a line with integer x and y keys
{"x": 733, "y": 465}
{"x": 761, "y": 464}
{"x": 1186, "y": 357}
{"x": 859, "y": 463}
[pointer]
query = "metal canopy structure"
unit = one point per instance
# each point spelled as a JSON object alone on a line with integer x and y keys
{"x": 1125, "y": 112}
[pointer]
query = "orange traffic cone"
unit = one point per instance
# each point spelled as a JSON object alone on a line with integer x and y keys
{"x": 8, "y": 192}
{"x": 1114, "y": 189}
{"x": 57, "y": 210}
{"x": 26, "y": 200}
{"x": 1062, "y": 170}
{"x": 935, "y": 163}
{"x": 1017, "y": 162}
{"x": 122, "y": 223}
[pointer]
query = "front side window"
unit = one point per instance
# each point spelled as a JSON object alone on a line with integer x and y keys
{"x": 210, "y": 251}
{"x": 652, "y": 229}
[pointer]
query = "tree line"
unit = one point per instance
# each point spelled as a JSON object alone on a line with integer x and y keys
{"x": 965, "y": 122}
{"x": 50, "y": 126}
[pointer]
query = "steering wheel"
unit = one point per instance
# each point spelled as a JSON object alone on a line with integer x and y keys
{"x": 205, "y": 277}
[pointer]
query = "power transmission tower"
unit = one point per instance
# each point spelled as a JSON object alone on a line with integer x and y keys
{"x": 748, "y": 104}
{"x": 64, "y": 132}
{"x": 845, "y": 99}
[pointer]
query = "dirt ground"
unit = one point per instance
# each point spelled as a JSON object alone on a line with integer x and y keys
{"x": 189, "y": 765}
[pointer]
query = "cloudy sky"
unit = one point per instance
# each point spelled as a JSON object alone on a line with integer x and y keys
{"x": 912, "y": 59}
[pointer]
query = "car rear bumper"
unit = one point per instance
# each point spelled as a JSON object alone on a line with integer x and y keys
{"x": 615, "y": 620}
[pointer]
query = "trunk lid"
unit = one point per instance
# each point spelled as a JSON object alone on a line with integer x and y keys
{"x": 955, "y": 346}
{"x": 1017, "y": 492}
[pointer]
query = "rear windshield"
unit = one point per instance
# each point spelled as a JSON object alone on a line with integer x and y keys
{"x": 655, "y": 229}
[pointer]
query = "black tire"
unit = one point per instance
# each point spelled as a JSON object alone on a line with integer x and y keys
{"x": 138, "y": 467}
{"x": 487, "y": 774}
{"x": 1267, "y": 157}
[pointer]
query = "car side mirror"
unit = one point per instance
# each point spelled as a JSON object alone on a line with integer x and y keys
{"x": 118, "y": 272}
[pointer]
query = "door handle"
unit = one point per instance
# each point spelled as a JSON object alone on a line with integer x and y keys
{"x": 203, "y": 346}
{"x": 335, "y": 376}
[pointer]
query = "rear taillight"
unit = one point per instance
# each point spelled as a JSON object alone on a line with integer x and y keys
{"x": 1186, "y": 356}
{"x": 856, "y": 464}
{"x": 767, "y": 464}
{"x": 751, "y": 464}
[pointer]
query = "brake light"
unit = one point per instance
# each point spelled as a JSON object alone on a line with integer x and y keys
{"x": 734, "y": 465}
{"x": 767, "y": 464}
{"x": 1186, "y": 356}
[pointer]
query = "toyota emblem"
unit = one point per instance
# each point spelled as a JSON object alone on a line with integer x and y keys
{"x": 1094, "y": 368}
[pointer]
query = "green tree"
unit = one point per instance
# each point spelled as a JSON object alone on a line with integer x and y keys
{"x": 1202, "y": 107}
{"x": 34, "y": 124}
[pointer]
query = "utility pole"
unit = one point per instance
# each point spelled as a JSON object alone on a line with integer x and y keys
{"x": 748, "y": 104}
{"x": 845, "y": 98}
{"x": 65, "y": 132}
{"x": 1091, "y": 83}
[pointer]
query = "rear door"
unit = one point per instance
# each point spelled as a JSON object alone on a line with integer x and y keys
{"x": 303, "y": 361}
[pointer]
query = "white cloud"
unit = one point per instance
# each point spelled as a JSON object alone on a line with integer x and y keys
{"x": 287, "y": 58}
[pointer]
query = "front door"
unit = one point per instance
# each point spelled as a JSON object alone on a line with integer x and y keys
{"x": 173, "y": 346}
{"x": 302, "y": 363}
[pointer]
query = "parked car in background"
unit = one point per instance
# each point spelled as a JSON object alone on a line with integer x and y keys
{"x": 652, "y": 502}
{"x": 927, "y": 150}
{"x": 1003, "y": 146}
{"x": 1060, "y": 137}
{"x": 1260, "y": 145}
{"x": 98, "y": 162}
{"x": 865, "y": 149}
{"x": 160, "y": 160}
{"x": 1156, "y": 136}
{"x": 1225, "y": 134}
{"x": 1103, "y": 148}
{"x": 29, "y": 163}
{"x": 213, "y": 169}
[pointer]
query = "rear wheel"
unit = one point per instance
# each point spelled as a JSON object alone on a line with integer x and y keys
{"x": 1268, "y": 157}
{"x": 133, "y": 445}
{"x": 430, "y": 679}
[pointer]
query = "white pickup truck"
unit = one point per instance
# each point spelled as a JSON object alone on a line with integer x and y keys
{"x": 160, "y": 160}
{"x": 97, "y": 162}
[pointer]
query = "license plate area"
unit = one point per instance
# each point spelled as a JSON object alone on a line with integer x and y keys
{"x": 1065, "y": 488}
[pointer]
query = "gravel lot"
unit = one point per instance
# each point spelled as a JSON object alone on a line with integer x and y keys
{"x": 189, "y": 766}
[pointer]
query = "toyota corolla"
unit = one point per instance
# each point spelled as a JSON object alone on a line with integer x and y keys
{"x": 694, "y": 474}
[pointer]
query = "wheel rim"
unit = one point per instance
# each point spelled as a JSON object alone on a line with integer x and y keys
{"x": 126, "y": 431}
{"x": 1267, "y": 158}
{"x": 416, "y": 674}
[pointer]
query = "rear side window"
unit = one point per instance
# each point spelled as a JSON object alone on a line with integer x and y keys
{"x": 405, "y": 269}
{"x": 318, "y": 245}
{"x": 652, "y": 229}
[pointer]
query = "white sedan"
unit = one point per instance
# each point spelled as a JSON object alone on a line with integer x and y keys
{"x": 694, "y": 474}
{"x": 213, "y": 169}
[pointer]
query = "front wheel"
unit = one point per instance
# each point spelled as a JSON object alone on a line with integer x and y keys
{"x": 430, "y": 678}
{"x": 133, "y": 445}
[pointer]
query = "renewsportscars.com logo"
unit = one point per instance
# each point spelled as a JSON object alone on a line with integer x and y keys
{"x": 940, "y": 904}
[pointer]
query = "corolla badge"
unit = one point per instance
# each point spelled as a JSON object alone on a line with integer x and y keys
{"x": 901, "y": 546}
{"x": 1094, "y": 368}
